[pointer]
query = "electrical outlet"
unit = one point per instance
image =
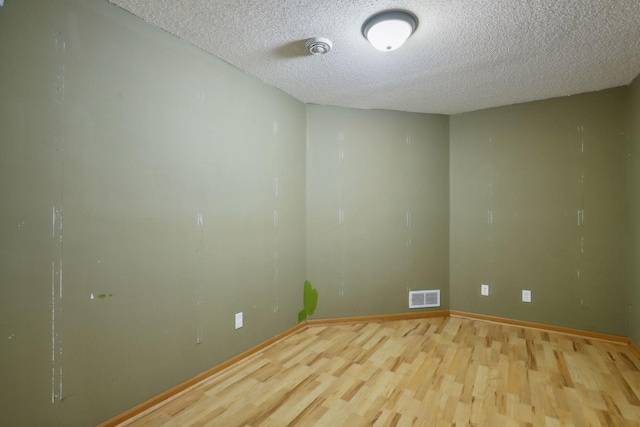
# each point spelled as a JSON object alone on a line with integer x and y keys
{"x": 238, "y": 320}
{"x": 484, "y": 290}
{"x": 526, "y": 295}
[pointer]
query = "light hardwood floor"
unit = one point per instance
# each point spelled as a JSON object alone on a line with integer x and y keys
{"x": 427, "y": 372}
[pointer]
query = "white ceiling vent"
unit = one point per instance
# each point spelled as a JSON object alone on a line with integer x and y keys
{"x": 421, "y": 299}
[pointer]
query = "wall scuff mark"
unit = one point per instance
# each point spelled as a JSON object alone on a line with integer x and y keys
{"x": 56, "y": 308}
{"x": 57, "y": 247}
{"x": 580, "y": 221}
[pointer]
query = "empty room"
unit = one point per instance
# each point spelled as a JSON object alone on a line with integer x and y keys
{"x": 266, "y": 213}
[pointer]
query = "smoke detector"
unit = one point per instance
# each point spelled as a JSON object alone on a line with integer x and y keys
{"x": 318, "y": 45}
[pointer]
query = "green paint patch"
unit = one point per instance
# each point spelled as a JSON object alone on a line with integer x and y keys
{"x": 310, "y": 300}
{"x": 101, "y": 296}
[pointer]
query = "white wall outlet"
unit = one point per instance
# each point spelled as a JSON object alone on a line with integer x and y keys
{"x": 526, "y": 295}
{"x": 238, "y": 320}
{"x": 484, "y": 290}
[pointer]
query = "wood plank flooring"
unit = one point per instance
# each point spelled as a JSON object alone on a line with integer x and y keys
{"x": 429, "y": 372}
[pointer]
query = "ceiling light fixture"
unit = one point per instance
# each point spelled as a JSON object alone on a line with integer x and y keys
{"x": 388, "y": 30}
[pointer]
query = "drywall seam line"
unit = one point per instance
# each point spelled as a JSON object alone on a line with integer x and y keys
{"x": 341, "y": 214}
{"x": 580, "y": 229}
{"x": 200, "y": 299}
{"x": 410, "y": 252}
{"x": 57, "y": 246}
{"x": 275, "y": 179}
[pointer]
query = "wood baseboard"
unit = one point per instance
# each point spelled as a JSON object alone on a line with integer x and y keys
{"x": 634, "y": 348}
{"x": 551, "y": 328}
{"x": 379, "y": 318}
{"x": 162, "y": 397}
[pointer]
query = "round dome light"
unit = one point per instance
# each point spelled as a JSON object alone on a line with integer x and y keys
{"x": 388, "y": 30}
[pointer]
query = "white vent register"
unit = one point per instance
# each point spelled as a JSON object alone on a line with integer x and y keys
{"x": 421, "y": 299}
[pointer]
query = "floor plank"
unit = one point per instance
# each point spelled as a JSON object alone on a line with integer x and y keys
{"x": 425, "y": 372}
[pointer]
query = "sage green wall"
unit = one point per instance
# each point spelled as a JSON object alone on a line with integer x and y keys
{"x": 634, "y": 211}
{"x": 139, "y": 211}
{"x": 149, "y": 191}
{"x": 377, "y": 208}
{"x": 539, "y": 202}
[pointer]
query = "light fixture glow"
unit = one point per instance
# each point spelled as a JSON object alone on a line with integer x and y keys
{"x": 388, "y": 30}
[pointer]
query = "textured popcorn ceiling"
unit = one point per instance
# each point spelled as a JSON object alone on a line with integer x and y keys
{"x": 465, "y": 54}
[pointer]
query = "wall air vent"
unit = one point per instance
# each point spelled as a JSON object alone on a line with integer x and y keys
{"x": 421, "y": 299}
